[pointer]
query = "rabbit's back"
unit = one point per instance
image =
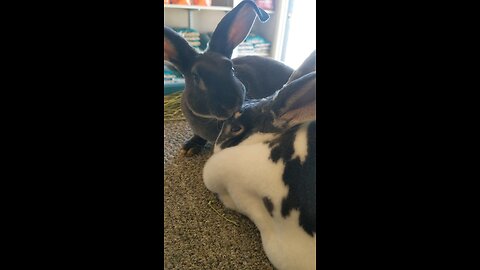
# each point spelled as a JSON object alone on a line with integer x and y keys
{"x": 261, "y": 76}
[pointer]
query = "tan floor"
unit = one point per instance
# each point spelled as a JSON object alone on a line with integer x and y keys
{"x": 195, "y": 237}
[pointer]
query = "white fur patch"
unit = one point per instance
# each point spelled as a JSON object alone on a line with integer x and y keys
{"x": 300, "y": 143}
{"x": 245, "y": 169}
{"x": 247, "y": 175}
{"x": 216, "y": 148}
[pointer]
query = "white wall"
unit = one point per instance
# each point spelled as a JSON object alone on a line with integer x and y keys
{"x": 301, "y": 37}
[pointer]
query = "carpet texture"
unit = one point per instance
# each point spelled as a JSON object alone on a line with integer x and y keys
{"x": 195, "y": 236}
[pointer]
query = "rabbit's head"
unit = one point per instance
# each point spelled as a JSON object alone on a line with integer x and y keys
{"x": 211, "y": 88}
{"x": 295, "y": 103}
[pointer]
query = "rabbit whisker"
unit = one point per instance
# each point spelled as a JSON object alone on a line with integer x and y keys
{"x": 208, "y": 116}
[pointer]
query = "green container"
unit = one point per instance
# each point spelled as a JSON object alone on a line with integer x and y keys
{"x": 173, "y": 86}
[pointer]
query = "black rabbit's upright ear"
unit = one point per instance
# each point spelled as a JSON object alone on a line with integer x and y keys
{"x": 177, "y": 51}
{"x": 235, "y": 27}
{"x": 296, "y": 102}
{"x": 309, "y": 65}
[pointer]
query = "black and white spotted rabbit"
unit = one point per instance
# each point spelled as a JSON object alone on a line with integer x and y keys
{"x": 264, "y": 166}
{"x": 215, "y": 85}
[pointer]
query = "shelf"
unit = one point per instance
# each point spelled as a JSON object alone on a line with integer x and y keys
{"x": 192, "y": 7}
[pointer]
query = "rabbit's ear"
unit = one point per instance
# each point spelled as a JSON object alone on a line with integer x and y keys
{"x": 309, "y": 65}
{"x": 296, "y": 102}
{"x": 177, "y": 51}
{"x": 235, "y": 27}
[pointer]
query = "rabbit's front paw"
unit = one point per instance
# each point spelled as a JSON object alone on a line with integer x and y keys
{"x": 193, "y": 146}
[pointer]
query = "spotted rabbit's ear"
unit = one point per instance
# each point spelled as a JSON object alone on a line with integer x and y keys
{"x": 235, "y": 27}
{"x": 177, "y": 51}
{"x": 296, "y": 102}
{"x": 309, "y": 65}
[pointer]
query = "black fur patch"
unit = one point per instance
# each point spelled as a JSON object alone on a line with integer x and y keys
{"x": 300, "y": 179}
{"x": 253, "y": 119}
{"x": 269, "y": 205}
{"x": 282, "y": 147}
{"x": 235, "y": 140}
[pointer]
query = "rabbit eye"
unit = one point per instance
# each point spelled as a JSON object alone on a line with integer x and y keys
{"x": 236, "y": 129}
{"x": 196, "y": 77}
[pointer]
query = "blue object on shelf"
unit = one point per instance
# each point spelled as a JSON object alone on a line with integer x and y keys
{"x": 172, "y": 86}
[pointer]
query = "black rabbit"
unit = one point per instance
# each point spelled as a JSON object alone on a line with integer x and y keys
{"x": 215, "y": 85}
